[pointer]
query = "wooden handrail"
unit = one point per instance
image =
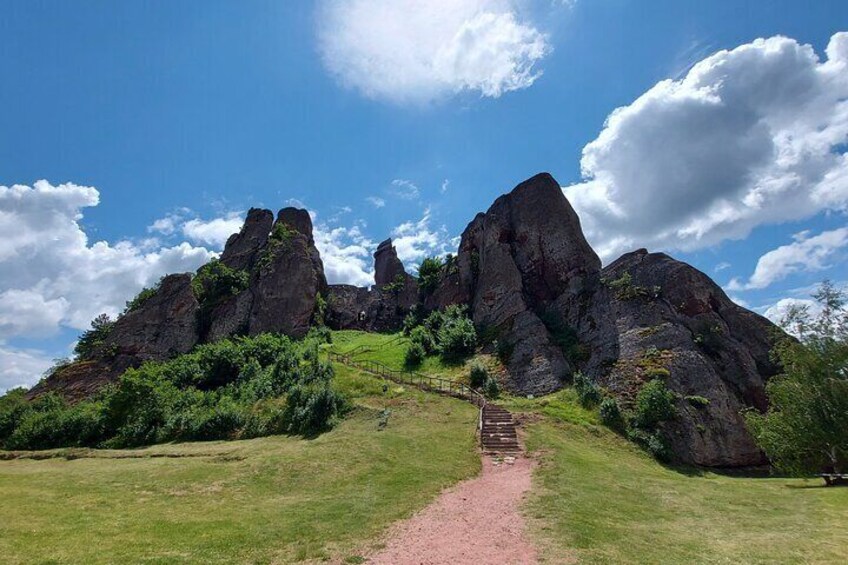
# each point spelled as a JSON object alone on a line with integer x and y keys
{"x": 413, "y": 378}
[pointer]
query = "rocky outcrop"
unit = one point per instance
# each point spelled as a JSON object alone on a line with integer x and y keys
{"x": 387, "y": 267}
{"x": 380, "y": 308}
{"x": 164, "y": 326}
{"x": 242, "y": 248}
{"x": 514, "y": 261}
{"x": 536, "y": 292}
{"x": 655, "y": 317}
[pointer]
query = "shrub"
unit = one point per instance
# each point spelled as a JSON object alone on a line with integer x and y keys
{"x": 457, "y": 337}
{"x": 244, "y": 387}
{"x": 698, "y": 401}
{"x": 414, "y": 354}
{"x": 588, "y": 393}
{"x": 215, "y": 281}
{"x": 279, "y": 240}
{"x": 429, "y": 274}
{"x": 654, "y": 404}
{"x": 657, "y": 373}
{"x": 491, "y": 389}
{"x": 478, "y": 375}
{"x": 424, "y": 338}
{"x": 93, "y": 338}
{"x": 624, "y": 289}
{"x": 504, "y": 349}
{"x": 313, "y": 408}
{"x": 610, "y": 415}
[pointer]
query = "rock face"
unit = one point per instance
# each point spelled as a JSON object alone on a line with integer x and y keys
{"x": 536, "y": 292}
{"x": 514, "y": 261}
{"x": 242, "y": 248}
{"x": 164, "y": 326}
{"x": 671, "y": 316}
{"x": 286, "y": 277}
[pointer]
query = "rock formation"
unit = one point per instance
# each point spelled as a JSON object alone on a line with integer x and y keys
{"x": 536, "y": 292}
{"x": 380, "y": 308}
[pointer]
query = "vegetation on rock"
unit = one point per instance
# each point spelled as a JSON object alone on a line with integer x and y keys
{"x": 245, "y": 387}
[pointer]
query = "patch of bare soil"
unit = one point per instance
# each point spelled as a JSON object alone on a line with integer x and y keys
{"x": 477, "y": 521}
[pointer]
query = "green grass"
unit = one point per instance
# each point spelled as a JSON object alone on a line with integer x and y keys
{"x": 274, "y": 499}
{"x": 390, "y": 350}
{"x": 598, "y": 499}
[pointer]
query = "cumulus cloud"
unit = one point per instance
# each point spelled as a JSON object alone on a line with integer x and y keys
{"x": 750, "y": 136}
{"x": 419, "y": 51}
{"x": 51, "y": 276}
{"x": 214, "y": 232}
{"x": 414, "y": 240}
{"x": 806, "y": 254}
{"x": 778, "y": 311}
{"x": 346, "y": 254}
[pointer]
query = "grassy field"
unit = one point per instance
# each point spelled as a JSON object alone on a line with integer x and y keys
{"x": 390, "y": 349}
{"x": 598, "y": 499}
{"x": 275, "y": 499}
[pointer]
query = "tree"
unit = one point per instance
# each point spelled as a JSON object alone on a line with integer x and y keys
{"x": 429, "y": 273}
{"x": 805, "y": 430}
{"x": 93, "y": 338}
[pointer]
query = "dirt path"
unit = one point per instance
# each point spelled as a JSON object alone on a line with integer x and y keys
{"x": 477, "y": 521}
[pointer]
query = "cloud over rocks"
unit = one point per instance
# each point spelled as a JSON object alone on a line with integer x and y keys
{"x": 51, "y": 276}
{"x": 755, "y": 135}
{"x": 346, "y": 254}
{"x": 415, "y": 240}
{"x": 414, "y": 51}
{"x": 21, "y": 367}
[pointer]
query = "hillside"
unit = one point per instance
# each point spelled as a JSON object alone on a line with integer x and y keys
{"x": 534, "y": 290}
{"x": 595, "y": 497}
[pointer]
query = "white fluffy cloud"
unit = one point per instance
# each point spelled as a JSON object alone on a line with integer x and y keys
{"x": 52, "y": 277}
{"x": 421, "y": 50}
{"x": 751, "y": 136}
{"x": 405, "y": 189}
{"x": 213, "y": 232}
{"x": 806, "y": 254}
{"x": 777, "y": 312}
{"x": 346, "y": 254}
{"x": 414, "y": 240}
{"x": 376, "y": 201}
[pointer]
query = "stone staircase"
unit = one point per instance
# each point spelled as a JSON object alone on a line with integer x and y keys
{"x": 497, "y": 432}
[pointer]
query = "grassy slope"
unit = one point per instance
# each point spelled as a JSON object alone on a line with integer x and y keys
{"x": 262, "y": 500}
{"x": 390, "y": 349}
{"x": 599, "y": 499}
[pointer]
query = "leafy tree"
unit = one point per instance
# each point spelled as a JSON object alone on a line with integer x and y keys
{"x": 805, "y": 429}
{"x": 429, "y": 273}
{"x": 93, "y": 338}
{"x": 654, "y": 404}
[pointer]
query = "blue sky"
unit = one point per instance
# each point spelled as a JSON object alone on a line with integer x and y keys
{"x": 155, "y": 125}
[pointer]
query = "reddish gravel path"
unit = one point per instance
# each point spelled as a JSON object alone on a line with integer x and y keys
{"x": 477, "y": 521}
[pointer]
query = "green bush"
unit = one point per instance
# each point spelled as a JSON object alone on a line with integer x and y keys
{"x": 424, "y": 338}
{"x": 611, "y": 416}
{"x": 244, "y": 387}
{"x": 312, "y": 408}
{"x": 588, "y": 393}
{"x": 653, "y": 442}
{"x": 491, "y": 389}
{"x": 414, "y": 354}
{"x": 698, "y": 401}
{"x": 654, "y": 404}
{"x": 457, "y": 337}
{"x": 478, "y": 375}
